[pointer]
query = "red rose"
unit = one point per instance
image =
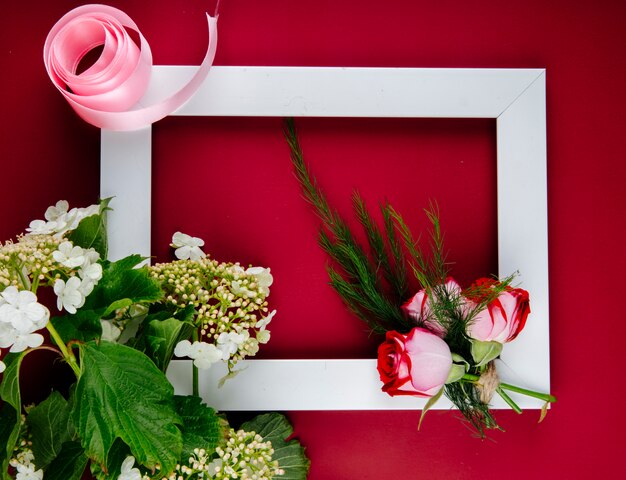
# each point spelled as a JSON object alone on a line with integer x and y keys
{"x": 503, "y": 318}
{"x": 416, "y": 364}
{"x": 418, "y": 307}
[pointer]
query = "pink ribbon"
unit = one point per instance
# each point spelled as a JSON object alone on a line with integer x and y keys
{"x": 108, "y": 93}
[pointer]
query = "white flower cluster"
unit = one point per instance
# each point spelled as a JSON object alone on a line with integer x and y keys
{"x": 26, "y": 469}
{"x": 20, "y": 317}
{"x": 59, "y": 219}
{"x": 187, "y": 247}
{"x": 245, "y": 456}
{"x": 44, "y": 257}
{"x": 71, "y": 294}
{"x": 230, "y": 303}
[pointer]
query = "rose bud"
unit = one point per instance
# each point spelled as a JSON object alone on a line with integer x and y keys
{"x": 503, "y": 318}
{"x": 418, "y": 307}
{"x": 416, "y": 364}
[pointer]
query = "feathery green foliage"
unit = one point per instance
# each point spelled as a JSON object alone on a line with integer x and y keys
{"x": 359, "y": 284}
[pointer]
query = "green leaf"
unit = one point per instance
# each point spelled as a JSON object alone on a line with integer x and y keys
{"x": 229, "y": 375}
{"x": 459, "y": 368}
{"x": 484, "y": 352}
{"x": 121, "y": 393}
{"x": 275, "y": 428}
{"x": 68, "y": 465}
{"x": 113, "y": 466}
{"x": 429, "y": 404}
{"x": 115, "y": 457}
{"x": 50, "y": 428}
{"x": 84, "y": 326}
{"x": 160, "y": 338}
{"x": 91, "y": 231}
{"x": 200, "y": 427}
{"x": 121, "y": 285}
{"x": 9, "y": 432}
{"x": 12, "y": 409}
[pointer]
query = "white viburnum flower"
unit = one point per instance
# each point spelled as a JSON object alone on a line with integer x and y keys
{"x": 110, "y": 332}
{"x": 41, "y": 227}
{"x": 69, "y": 255}
{"x": 2, "y": 366}
{"x": 89, "y": 211}
{"x": 252, "y": 345}
{"x": 21, "y": 310}
{"x": 56, "y": 211}
{"x": 127, "y": 471}
{"x": 187, "y": 247}
{"x": 92, "y": 272}
{"x": 86, "y": 287}
{"x": 26, "y": 340}
{"x": 265, "y": 321}
{"x": 228, "y": 343}
{"x": 91, "y": 257}
{"x": 7, "y": 335}
{"x": 27, "y": 472}
{"x": 69, "y": 296}
{"x": 70, "y": 220}
{"x": 263, "y": 336}
{"x": 263, "y": 277}
{"x": 183, "y": 348}
{"x": 205, "y": 355}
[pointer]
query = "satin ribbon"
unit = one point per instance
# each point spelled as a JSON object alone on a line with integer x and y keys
{"x": 108, "y": 93}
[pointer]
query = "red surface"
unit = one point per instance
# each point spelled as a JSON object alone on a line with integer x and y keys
{"x": 47, "y": 153}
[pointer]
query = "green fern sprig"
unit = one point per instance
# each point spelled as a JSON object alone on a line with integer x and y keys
{"x": 359, "y": 285}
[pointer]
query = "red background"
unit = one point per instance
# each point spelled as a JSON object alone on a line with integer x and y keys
{"x": 228, "y": 180}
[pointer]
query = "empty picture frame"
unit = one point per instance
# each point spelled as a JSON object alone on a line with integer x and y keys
{"x": 515, "y": 97}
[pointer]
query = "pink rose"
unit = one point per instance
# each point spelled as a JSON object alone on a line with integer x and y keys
{"x": 503, "y": 318}
{"x": 416, "y": 364}
{"x": 418, "y": 307}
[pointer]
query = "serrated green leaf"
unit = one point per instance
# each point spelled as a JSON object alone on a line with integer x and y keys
{"x": 121, "y": 281}
{"x": 201, "y": 425}
{"x": 160, "y": 337}
{"x": 275, "y": 428}
{"x": 91, "y": 231}
{"x": 50, "y": 428}
{"x": 68, "y": 465}
{"x": 121, "y": 393}
{"x": 12, "y": 409}
{"x": 84, "y": 326}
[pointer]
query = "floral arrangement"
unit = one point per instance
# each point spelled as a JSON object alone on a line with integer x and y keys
{"x": 117, "y": 327}
{"x": 442, "y": 340}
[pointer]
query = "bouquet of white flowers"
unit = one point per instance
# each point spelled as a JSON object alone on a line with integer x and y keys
{"x": 118, "y": 326}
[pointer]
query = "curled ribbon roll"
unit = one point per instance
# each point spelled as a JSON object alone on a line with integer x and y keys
{"x": 108, "y": 93}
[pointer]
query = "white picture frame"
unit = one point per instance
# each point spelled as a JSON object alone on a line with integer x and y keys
{"x": 514, "y": 97}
